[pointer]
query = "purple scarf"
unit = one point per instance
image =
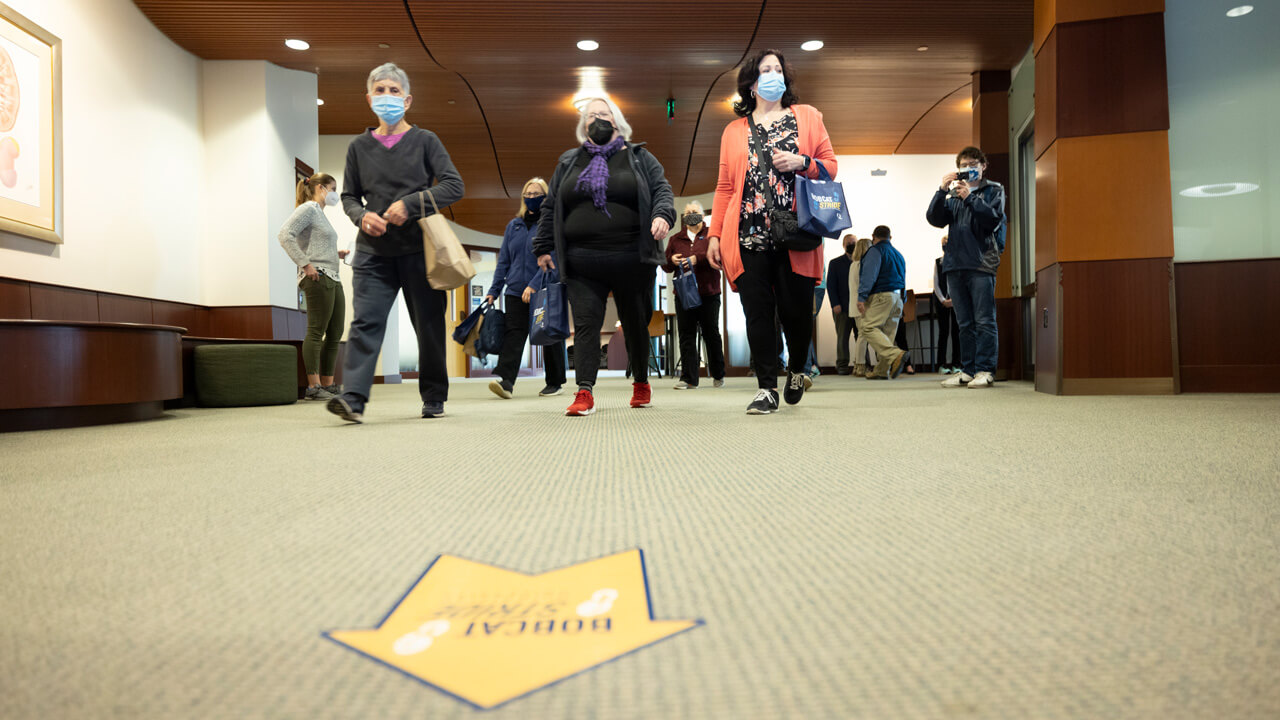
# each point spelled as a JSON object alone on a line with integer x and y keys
{"x": 595, "y": 176}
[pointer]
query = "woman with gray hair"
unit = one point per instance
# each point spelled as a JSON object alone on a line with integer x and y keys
{"x": 608, "y": 206}
{"x": 387, "y": 167}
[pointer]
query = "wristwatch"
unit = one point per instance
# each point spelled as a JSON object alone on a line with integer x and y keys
{"x": 807, "y": 162}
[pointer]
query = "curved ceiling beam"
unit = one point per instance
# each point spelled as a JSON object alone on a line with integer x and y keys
{"x": 926, "y": 114}
{"x": 488, "y": 130}
{"x": 755, "y": 31}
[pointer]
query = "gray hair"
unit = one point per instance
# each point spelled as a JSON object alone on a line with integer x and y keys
{"x": 388, "y": 71}
{"x": 619, "y": 121}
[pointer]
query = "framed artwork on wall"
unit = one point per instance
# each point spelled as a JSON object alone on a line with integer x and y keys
{"x": 30, "y": 129}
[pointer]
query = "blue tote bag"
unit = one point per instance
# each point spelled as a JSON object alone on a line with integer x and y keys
{"x": 685, "y": 285}
{"x": 548, "y": 313}
{"x": 820, "y": 206}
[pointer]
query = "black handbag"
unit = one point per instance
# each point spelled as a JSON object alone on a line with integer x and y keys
{"x": 784, "y": 226}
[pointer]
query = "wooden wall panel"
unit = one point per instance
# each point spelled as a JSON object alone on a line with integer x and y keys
{"x": 1111, "y": 76}
{"x": 15, "y": 299}
{"x": 1048, "y": 327}
{"x": 122, "y": 308}
{"x": 1116, "y": 319}
{"x": 50, "y": 302}
{"x": 1050, "y": 12}
{"x": 1047, "y": 208}
{"x": 1113, "y": 198}
{"x": 178, "y": 314}
{"x": 1046, "y": 94}
{"x": 1224, "y": 342}
{"x": 252, "y": 322}
{"x": 1009, "y": 324}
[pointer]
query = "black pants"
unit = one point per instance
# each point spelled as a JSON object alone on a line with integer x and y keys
{"x": 590, "y": 277}
{"x": 768, "y": 285}
{"x": 948, "y": 327}
{"x": 517, "y": 332}
{"x": 376, "y": 281}
{"x": 704, "y": 319}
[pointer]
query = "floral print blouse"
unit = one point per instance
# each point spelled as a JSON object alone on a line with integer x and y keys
{"x": 753, "y": 230}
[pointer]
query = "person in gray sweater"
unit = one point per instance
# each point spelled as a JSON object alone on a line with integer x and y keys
{"x": 312, "y": 244}
{"x": 387, "y": 167}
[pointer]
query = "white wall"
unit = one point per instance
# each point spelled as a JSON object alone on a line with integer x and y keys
{"x": 133, "y": 162}
{"x": 292, "y": 133}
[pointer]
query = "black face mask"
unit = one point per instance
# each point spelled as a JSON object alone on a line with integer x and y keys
{"x": 600, "y": 131}
{"x": 693, "y": 219}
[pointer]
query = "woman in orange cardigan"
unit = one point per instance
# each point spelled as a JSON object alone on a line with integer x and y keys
{"x": 768, "y": 278}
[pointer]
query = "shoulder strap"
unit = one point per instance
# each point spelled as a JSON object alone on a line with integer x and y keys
{"x": 765, "y": 162}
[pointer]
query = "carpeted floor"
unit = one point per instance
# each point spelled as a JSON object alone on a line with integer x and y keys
{"x": 883, "y": 550}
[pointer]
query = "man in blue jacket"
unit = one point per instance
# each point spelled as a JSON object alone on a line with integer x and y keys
{"x": 882, "y": 278}
{"x": 972, "y": 207}
{"x": 838, "y": 289}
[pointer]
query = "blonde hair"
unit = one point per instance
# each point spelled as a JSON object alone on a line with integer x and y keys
{"x": 522, "y": 210}
{"x": 619, "y": 121}
{"x": 307, "y": 187}
{"x": 864, "y": 244}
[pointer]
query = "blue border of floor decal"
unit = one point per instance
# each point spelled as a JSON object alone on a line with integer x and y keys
{"x": 644, "y": 573}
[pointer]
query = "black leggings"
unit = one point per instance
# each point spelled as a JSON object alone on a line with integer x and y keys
{"x": 768, "y": 285}
{"x": 590, "y": 276}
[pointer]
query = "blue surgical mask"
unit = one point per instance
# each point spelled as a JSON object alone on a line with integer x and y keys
{"x": 970, "y": 174}
{"x": 534, "y": 203}
{"x": 772, "y": 86}
{"x": 388, "y": 108}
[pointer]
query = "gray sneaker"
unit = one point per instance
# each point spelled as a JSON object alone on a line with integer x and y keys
{"x": 682, "y": 385}
{"x": 719, "y": 382}
{"x": 335, "y": 388}
{"x": 318, "y": 393}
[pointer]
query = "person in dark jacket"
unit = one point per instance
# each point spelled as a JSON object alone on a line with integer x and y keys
{"x": 387, "y": 169}
{"x": 948, "y": 328}
{"x": 690, "y": 245}
{"x": 838, "y": 289}
{"x": 972, "y": 208}
{"x": 609, "y": 205}
{"x": 518, "y": 271}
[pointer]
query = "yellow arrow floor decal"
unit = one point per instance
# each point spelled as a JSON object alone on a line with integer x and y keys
{"x": 487, "y": 635}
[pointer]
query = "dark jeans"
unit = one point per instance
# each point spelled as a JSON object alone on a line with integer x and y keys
{"x": 947, "y": 327}
{"x": 704, "y": 319}
{"x": 590, "y": 277}
{"x": 376, "y": 280}
{"x": 517, "y": 332}
{"x": 973, "y": 297}
{"x": 326, "y": 314}
{"x": 767, "y": 286}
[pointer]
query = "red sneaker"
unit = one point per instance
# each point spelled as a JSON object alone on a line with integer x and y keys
{"x": 641, "y": 394}
{"x": 583, "y": 404}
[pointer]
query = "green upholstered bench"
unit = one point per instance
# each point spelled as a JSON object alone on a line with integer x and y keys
{"x": 240, "y": 374}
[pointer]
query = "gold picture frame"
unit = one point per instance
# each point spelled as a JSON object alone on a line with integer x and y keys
{"x": 30, "y": 129}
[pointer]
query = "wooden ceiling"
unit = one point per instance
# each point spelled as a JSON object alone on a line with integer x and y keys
{"x": 495, "y": 79}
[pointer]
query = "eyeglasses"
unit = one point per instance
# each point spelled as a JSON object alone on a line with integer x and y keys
{"x": 970, "y": 164}
{"x": 600, "y": 116}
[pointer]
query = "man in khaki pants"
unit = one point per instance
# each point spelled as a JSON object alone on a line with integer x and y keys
{"x": 883, "y": 278}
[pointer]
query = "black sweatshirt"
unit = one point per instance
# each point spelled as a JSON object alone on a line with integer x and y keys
{"x": 376, "y": 177}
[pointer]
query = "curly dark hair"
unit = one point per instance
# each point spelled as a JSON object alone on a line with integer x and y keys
{"x": 750, "y": 72}
{"x": 972, "y": 153}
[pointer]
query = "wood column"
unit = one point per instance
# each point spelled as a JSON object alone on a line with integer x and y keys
{"x": 1104, "y": 223}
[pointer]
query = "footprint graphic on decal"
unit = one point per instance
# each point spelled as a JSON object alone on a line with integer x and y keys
{"x": 420, "y": 639}
{"x": 600, "y": 603}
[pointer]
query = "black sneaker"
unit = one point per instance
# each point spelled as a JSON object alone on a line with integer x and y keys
{"x": 334, "y": 389}
{"x": 550, "y": 390}
{"x": 348, "y": 406}
{"x": 795, "y": 387}
{"x": 432, "y": 409}
{"x": 895, "y": 368}
{"x": 501, "y": 388}
{"x": 766, "y": 402}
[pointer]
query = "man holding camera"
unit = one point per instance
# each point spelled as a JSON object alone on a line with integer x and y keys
{"x": 972, "y": 208}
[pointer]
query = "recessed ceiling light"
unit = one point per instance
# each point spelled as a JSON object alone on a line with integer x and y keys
{"x": 384, "y": 46}
{"x": 319, "y": 101}
{"x": 1219, "y": 190}
{"x": 1238, "y": 11}
{"x": 811, "y": 45}
{"x": 297, "y": 44}
{"x": 922, "y": 48}
{"x": 588, "y": 45}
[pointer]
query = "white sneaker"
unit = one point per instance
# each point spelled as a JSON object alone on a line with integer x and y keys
{"x": 982, "y": 380}
{"x": 682, "y": 385}
{"x": 959, "y": 380}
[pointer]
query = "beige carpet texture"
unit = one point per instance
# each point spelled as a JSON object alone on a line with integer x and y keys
{"x": 882, "y": 550}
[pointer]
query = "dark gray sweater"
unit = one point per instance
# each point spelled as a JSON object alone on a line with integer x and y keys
{"x": 376, "y": 178}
